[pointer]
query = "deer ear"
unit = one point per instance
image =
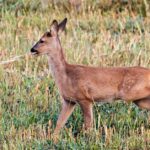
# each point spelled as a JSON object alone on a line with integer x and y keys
{"x": 54, "y": 28}
{"x": 62, "y": 25}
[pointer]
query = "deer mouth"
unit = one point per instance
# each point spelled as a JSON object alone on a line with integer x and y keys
{"x": 34, "y": 53}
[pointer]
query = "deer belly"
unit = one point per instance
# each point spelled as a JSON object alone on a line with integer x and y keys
{"x": 101, "y": 94}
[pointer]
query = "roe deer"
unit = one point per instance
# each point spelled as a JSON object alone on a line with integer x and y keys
{"x": 85, "y": 85}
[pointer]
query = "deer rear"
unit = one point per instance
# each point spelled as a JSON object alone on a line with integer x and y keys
{"x": 85, "y": 85}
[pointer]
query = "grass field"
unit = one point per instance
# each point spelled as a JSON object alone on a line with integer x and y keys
{"x": 29, "y": 99}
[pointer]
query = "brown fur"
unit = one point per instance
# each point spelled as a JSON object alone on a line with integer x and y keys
{"x": 85, "y": 85}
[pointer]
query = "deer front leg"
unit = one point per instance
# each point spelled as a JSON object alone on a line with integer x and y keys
{"x": 67, "y": 109}
{"x": 86, "y": 107}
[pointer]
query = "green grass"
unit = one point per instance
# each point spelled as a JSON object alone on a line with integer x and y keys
{"x": 29, "y": 99}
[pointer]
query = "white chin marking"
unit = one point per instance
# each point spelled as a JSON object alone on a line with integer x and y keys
{"x": 34, "y": 53}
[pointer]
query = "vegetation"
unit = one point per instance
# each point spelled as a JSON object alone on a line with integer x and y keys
{"x": 117, "y": 34}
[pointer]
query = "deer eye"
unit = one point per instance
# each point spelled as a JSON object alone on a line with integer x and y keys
{"x": 41, "y": 41}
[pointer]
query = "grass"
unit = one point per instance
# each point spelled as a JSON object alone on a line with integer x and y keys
{"x": 29, "y": 99}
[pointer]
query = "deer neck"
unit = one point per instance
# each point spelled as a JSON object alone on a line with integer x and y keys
{"x": 57, "y": 65}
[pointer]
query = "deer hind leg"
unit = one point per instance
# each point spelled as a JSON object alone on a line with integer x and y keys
{"x": 67, "y": 109}
{"x": 143, "y": 103}
{"x": 86, "y": 107}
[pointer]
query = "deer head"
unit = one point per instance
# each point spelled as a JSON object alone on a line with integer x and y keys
{"x": 49, "y": 43}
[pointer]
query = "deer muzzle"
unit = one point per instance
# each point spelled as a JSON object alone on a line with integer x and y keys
{"x": 34, "y": 51}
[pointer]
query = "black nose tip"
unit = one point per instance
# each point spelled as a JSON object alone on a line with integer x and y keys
{"x": 33, "y": 50}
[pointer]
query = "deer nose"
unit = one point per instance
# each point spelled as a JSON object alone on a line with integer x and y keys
{"x": 33, "y": 50}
